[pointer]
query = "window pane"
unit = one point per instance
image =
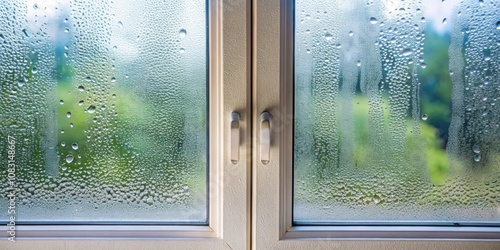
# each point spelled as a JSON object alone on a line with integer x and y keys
{"x": 396, "y": 112}
{"x": 105, "y": 104}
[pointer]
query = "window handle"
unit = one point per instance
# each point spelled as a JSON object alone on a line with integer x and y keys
{"x": 235, "y": 137}
{"x": 265, "y": 137}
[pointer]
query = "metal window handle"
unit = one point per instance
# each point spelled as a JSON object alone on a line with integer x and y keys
{"x": 235, "y": 137}
{"x": 265, "y": 137}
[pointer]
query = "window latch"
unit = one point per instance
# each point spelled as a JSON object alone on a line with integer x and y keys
{"x": 235, "y": 137}
{"x": 265, "y": 137}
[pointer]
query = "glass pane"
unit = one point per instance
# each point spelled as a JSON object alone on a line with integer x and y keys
{"x": 104, "y": 111}
{"x": 396, "y": 112}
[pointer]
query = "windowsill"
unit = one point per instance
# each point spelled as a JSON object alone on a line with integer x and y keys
{"x": 392, "y": 233}
{"x": 113, "y": 232}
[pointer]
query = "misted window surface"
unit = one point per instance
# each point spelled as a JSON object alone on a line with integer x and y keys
{"x": 103, "y": 111}
{"x": 396, "y": 112}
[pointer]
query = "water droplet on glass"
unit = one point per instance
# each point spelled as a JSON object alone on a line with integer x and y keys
{"x": 68, "y": 114}
{"x": 25, "y": 32}
{"x": 91, "y": 109}
{"x": 63, "y": 144}
{"x": 477, "y": 158}
{"x": 182, "y": 33}
{"x": 20, "y": 83}
{"x": 61, "y": 102}
{"x": 69, "y": 158}
{"x": 338, "y": 45}
{"x": 80, "y": 103}
{"x": 66, "y": 30}
{"x": 113, "y": 79}
{"x": 87, "y": 78}
{"x": 498, "y": 25}
{"x": 351, "y": 33}
{"x": 424, "y": 117}
{"x": 476, "y": 149}
{"x": 373, "y": 20}
{"x": 423, "y": 65}
{"x": 120, "y": 24}
{"x": 328, "y": 36}
{"x": 35, "y": 6}
{"x": 34, "y": 70}
{"x": 407, "y": 52}
{"x": 444, "y": 21}
{"x": 182, "y": 51}
{"x": 81, "y": 88}
{"x": 74, "y": 146}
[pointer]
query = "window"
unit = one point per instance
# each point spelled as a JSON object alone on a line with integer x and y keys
{"x": 395, "y": 113}
{"x": 384, "y": 122}
{"x": 110, "y": 127}
{"x": 114, "y": 121}
{"x": 271, "y": 124}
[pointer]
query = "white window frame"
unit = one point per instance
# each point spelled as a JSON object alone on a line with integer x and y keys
{"x": 273, "y": 183}
{"x": 229, "y": 184}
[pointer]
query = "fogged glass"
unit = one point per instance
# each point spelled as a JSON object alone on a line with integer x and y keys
{"x": 103, "y": 111}
{"x": 396, "y": 111}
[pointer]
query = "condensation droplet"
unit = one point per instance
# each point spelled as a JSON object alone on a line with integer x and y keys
{"x": 373, "y": 20}
{"x": 182, "y": 33}
{"x": 69, "y": 158}
{"x": 68, "y": 114}
{"x": 424, "y": 117}
{"x": 477, "y": 158}
{"x": 407, "y": 52}
{"x": 476, "y": 149}
{"x": 25, "y": 32}
{"x": 182, "y": 50}
{"x": 328, "y": 36}
{"x": 91, "y": 109}
{"x": 74, "y": 146}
